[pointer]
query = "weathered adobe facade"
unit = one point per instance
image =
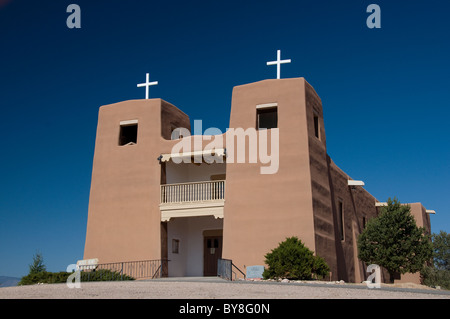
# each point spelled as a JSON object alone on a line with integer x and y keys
{"x": 130, "y": 216}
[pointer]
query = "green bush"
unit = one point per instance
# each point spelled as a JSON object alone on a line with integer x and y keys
{"x": 320, "y": 268}
{"x": 103, "y": 275}
{"x": 293, "y": 260}
{"x": 61, "y": 277}
{"x": 44, "y": 277}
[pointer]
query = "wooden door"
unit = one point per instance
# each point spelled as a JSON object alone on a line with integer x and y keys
{"x": 212, "y": 251}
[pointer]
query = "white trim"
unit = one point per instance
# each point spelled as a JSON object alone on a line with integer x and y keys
{"x": 212, "y": 152}
{"x": 266, "y": 106}
{"x": 430, "y": 211}
{"x": 169, "y": 211}
{"x": 128, "y": 122}
{"x": 380, "y": 204}
{"x": 355, "y": 183}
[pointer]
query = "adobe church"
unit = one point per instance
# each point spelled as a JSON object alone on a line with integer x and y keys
{"x": 146, "y": 204}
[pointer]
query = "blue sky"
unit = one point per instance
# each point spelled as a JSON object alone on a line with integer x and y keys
{"x": 384, "y": 93}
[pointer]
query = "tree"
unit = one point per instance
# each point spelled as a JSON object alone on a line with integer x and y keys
{"x": 393, "y": 241}
{"x": 38, "y": 264}
{"x": 293, "y": 260}
{"x": 441, "y": 250}
{"x": 438, "y": 273}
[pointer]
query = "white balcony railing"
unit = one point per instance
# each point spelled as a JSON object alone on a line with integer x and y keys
{"x": 193, "y": 192}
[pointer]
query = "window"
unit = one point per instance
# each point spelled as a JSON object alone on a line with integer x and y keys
{"x": 175, "y": 246}
{"x": 341, "y": 219}
{"x": 128, "y": 132}
{"x": 267, "y": 118}
{"x": 316, "y": 126}
{"x": 212, "y": 243}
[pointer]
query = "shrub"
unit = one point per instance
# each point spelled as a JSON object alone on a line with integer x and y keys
{"x": 61, "y": 277}
{"x": 44, "y": 277}
{"x": 320, "y": 268}
{"x": 104, "y": 275}
{"x": 293, "y": 260}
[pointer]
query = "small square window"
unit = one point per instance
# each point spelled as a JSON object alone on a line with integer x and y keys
{"x": 128, "y": 134}
{"x": 267, "y": 118}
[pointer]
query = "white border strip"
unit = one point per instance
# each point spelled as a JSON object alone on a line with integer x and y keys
{"x": 355, "y": 183}
{"x": 267, "y": 105}
{"x": 128, "y": 122}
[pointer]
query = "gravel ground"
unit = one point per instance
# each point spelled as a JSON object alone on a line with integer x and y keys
{"x": 217, "y": 289}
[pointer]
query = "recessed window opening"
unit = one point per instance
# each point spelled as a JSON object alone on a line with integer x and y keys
{"x": 267, "y": 118}
{"x": 128, "y": 134}
{"x": 316, "y": 126}
{"x": 175, "y": 246}
{"x": 341, "y": 219}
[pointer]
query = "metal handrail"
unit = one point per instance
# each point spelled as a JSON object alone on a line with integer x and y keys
{"x": 225, "y": 269}
{"x": 238, "y": 269}
{"x": 136, "y": 269}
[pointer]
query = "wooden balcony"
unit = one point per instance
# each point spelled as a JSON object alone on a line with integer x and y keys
{"x": 192, "y": 199}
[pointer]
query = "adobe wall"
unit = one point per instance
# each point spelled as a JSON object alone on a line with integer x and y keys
{"x": 421, "y": 216}
{"x": 308, "y": 186}
{"x": 124, "y": 222}
{"x": 329, "y": 185}
{"x": 358, "y": 205}
{"x": 262, "y": 210}
{"x": 324, "y": 231}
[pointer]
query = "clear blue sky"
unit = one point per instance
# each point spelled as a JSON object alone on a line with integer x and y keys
{"x": 385, "y": 94}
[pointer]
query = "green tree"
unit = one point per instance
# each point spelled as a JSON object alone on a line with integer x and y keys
{"x": 438, "y": 273}
{"x": 441, "y": 250}
{"x": 38, "y": 264}
{"x": 393, "y": 240}
{"x": 293, "y": 260}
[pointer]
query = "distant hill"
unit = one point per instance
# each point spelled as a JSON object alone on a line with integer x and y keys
{"x": 6, "y": 281}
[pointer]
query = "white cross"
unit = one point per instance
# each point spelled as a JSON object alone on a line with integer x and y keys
{"x": 278, "y": 62}
{"x": 147, "y": 84}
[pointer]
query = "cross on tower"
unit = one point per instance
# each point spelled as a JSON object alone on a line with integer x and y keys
{"x": 147, "y": 84}
{"x": 278, "y": 62}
